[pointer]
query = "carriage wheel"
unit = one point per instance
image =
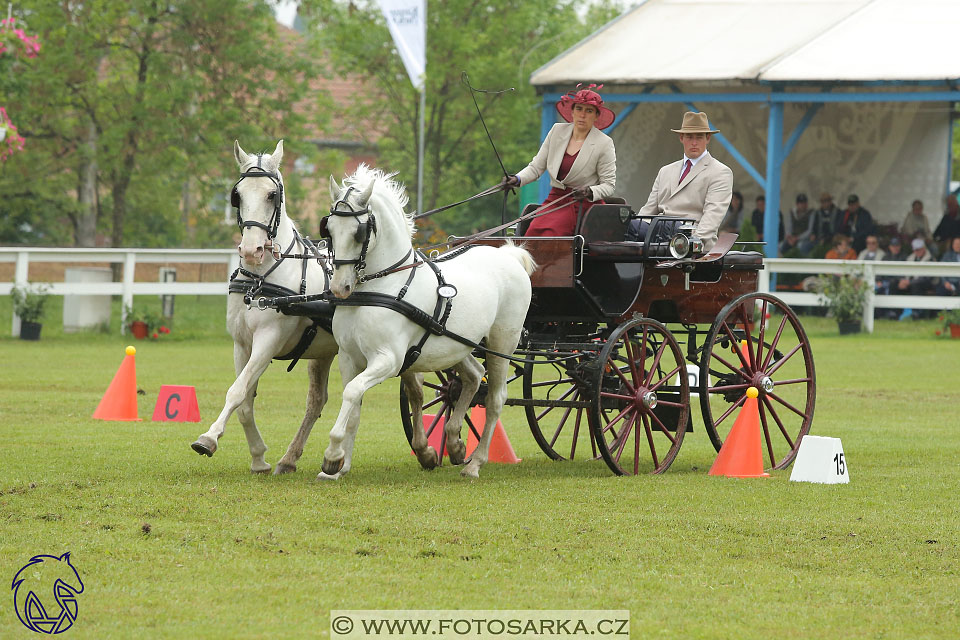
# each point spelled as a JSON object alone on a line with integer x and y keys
{"x": 642, "y": 405}
{"x": 558, "y": 429}
{"x": 441, "y": 389}
{"x": 777, "y": 361}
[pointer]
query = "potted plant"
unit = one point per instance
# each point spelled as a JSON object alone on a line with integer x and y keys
{"x": 951, "y": 323}
{"x": 28, "y": 303}
{"x": 845, "y": 297}
{"x": 145, "y": 324}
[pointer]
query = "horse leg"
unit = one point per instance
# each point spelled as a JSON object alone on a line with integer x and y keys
{"x": 427, "y": 456}
{"x": 337, "y": 457}
{"x": 250, "y": 365}
{"x": 470, "y": 372}
{"x": 319, "y": 372}
{"x": 496, "y": 396}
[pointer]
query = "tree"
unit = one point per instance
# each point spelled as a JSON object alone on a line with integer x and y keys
{"x": 498, "y": 43}
{"x": 134, "y": 107}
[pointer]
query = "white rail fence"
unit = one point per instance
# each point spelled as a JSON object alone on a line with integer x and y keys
{"x": 871, "y": 270}
{"x": 129, "y": 287}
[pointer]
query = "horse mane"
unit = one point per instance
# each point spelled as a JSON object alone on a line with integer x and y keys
{"x": 387, "y": 192}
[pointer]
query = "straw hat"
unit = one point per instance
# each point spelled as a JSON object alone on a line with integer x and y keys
{"x": 695, "y": 122}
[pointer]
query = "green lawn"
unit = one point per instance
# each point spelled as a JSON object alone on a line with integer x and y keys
{"x": 170, "y": 544}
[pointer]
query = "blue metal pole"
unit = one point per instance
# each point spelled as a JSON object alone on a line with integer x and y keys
{"x": 953, "y": 122}
{"x": 771, "y": 221}
{"x": 548, "y": 117}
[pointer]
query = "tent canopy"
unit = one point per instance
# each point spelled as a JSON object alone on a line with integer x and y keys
{"x": 871, "y": 82}
{"x": 767, "y": 41}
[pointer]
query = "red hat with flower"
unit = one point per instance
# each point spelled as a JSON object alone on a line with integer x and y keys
{"x": 605, "y": 116}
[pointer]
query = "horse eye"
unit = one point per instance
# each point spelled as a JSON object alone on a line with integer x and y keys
{"x": 271, "y": 196}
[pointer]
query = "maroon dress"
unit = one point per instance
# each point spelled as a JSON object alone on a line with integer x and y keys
{"x": 562, "y": 221}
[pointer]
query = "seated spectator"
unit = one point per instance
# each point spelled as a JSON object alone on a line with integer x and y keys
{"x": 756, "y": 218}
{"x": 894, "y": 251}
{"x": 950, "y": 286}
{"x": 825, "y": 220}
{"x": 949, "y": 226}
{"x": 855, "y": 222}
{"x": 734, "y": 217}
{"x": 841, "y": 249}
{"x": 919, "y": 285}
{"x": 873, "y": 250}
{"x": 916, "y": 225}
{"x": 798, "y": 228}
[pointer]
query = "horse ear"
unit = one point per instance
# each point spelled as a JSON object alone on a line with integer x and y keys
{"x": 278, "y": 153}
{"x": 238, "y": 153}
{"x": 334, "y": 189}
{"x": 365, "y": 196}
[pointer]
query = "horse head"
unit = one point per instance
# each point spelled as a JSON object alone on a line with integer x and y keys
{"x": 258, "y": 199}
{"x": 366, "y": 226}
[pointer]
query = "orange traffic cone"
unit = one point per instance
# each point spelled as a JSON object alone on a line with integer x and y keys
{"x": 745, "y": 351}
{"x": 120, "y": 400}
{"x": 740, "y": 456}
{"x": 500, "y": 448}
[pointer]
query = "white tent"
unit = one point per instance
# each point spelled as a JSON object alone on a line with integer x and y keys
{"x": 864, "y": 86}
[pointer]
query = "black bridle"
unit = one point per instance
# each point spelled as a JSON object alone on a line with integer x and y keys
{"x": 277, "y": 196}
{"x": 344, "y": 209}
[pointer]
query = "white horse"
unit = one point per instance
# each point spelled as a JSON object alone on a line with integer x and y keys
{"x": 370, "y": 233}
{"x": 261, "y": 335}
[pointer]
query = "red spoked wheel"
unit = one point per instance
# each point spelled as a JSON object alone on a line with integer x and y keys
{"x": 641, "y": 406}
{"x": 559, "y": 418}
{"x": 757, "y": 340}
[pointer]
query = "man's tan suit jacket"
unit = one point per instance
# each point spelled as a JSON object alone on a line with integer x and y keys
{"x": 704, "y": 195}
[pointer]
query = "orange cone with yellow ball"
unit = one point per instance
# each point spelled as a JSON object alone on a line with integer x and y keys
{"x": 741, "y": 455}
{"x": 120, "y": 400}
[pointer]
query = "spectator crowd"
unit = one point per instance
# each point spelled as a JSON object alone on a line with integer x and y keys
{"x": 852, "y": 233}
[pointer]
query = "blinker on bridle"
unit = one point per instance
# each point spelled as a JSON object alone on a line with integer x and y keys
{"x": 274, "y": 222}
{"x": 362, "y": 235}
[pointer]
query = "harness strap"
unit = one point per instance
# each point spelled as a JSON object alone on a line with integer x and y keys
{"x": 413, "y": 353}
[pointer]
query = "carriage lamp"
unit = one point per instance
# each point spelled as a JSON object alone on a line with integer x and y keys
{"x": 684, "y": 243}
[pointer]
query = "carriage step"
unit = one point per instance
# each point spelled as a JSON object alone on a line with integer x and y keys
{"x": 523, "y": 402}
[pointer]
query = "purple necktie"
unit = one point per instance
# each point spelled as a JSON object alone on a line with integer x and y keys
{"x": 686, "y": 170}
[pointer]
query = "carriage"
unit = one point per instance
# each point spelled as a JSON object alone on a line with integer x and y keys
{"x": 622, "y": 337}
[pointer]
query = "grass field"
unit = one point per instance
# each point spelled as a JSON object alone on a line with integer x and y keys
{"x": 172, "y": 545}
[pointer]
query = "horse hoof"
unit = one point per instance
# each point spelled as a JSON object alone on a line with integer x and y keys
{"x": 429, "y": 459}
{"x": 204, "y": 446}
{"x": 332, "y": 467}
{"x": 283, "y": 467}
{"x": 470, "y": 472}
{"x": 261, "y": 471}
{"x": 457, "y": 451}
{"x": 323, "y": 476}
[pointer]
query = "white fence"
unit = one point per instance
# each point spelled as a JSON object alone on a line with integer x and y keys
{"x": 871, "y": 270}
{"x": 129, "y": 258}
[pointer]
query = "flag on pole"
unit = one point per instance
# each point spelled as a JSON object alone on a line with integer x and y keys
{"x": 406, "y": 20}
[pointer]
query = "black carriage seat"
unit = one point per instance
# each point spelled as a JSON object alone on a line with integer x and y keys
{"x": 617, "y": 248}
{"x": 613, "y": 202}
{"x": 743, "y": 260}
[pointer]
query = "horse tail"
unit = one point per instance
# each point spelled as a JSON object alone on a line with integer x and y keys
{"x": 522, "y": 256}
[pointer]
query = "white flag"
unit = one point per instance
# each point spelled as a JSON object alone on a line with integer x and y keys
{"x": 407, "y": 21}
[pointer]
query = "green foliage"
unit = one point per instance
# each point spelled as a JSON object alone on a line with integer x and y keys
{"x": 498, "y": 43}
{"x": 153, "y": 319}
{"x": 29, "y": 301}
{"x": 130, "y": 113}
{"x": 845, "y": 295}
